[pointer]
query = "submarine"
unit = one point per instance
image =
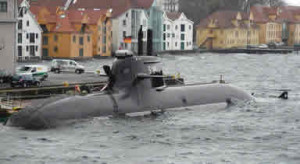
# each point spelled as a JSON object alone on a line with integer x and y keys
{"x": 135, "y": 84}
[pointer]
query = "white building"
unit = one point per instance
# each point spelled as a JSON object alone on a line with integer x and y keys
{"x": 8, "y": 20}
{"x": 168, "y": 5}
{"x": 29, "y": 34}
{"x": 127, "y": 25}
{"x": 177, "y": 32}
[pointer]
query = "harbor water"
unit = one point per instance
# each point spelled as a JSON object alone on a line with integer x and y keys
{"x": 266, "y": 131}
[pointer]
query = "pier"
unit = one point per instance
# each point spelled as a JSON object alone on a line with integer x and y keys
{"x": 55, "y": 84}
{"x": 231, "y": 50}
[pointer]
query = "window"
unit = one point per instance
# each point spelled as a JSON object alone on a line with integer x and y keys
{"x": 32, "y": 38}
{"x": 164, "y": 28}
{"x": 45, "y": 40}
{"x": 20, "y": 24}
{"x": 176, "y": 27}
{"x": 55, "y": 38}
{"x": 124, "y": 34}
{"x": 182, "y": 27}
{"x": 81, "y": 52}
{"x": 44, "y": 28}
{"x": 182, "y": 46}
{"x": 190, "y": 27}
{"x": 3, "y": 6}
{"x": 164, "y": 36}
{"x": 74, "y": 39}
{"x": 104, "y": 49}
{"x": 27, "y": 48}
{"x": 104, "y": 40}
{"x": 32, "y": 51}
{"x": 36, "y": 36}
{"x": 88, "y": 38}
{"x": 81, "y": 40}
{"x": 168, "y": 35}
{"x": 182, "y": 37}
{"x": 168, "y": 27}
{"x": 19, "y": 37}
{"x": 27, "y": 23}
{"x": 124, "y": 22}
{"x": 83, "y": 28}
{"x": 36, "y": 48}
{"x": 45, "y": 52}
{"x": 55, "y": 49}
{"x": 20, "y": 10}
{"x": 19, "y": 51}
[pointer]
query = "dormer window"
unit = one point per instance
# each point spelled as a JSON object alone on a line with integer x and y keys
{"x": 83, "y": 28}
{"x": 3, "y": 6}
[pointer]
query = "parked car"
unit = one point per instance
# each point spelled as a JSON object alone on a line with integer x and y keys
{"x": 38, "y": 71}
{"x": 65, "y": 65}
{"x": 26, "y": 80}
{"x": 262, "y": 46}
{"x": 275, "y": 44}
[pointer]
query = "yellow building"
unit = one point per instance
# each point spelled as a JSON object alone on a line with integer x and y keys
{"x": 269, "y": 22}
{"x": 74, "y": 33}
{"x": 227, "y": 29}
{"x": 278, "y": 24}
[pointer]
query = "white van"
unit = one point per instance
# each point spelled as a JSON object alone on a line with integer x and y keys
{"x": 65, "y": 65}
{"x": 37, "y": 71}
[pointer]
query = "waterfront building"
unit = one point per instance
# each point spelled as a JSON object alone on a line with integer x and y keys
{"x": 88, "y": 32}
{"x": 127, "y": 17}
{"x": 177, "y": 32}
{"x": 278, "y": 24}
{"x": 60, "y": 37}
{"x": 29, "y": 34}
{"x": 290, "y": 19}
{"x": 8, "y": 28}
{"x": 227, "y": 29}
{"x": 267, "y": 18}
{"x": 126, "y": 27}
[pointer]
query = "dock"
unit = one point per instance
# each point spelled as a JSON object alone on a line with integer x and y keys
{"x": 231, "y": 50}
{"x": 55, "y": 84}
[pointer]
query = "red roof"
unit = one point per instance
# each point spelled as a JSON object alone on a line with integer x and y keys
{"x": 76, "y": 16}
{"x": 173, "y": 15}
{"x": 284, "y": 13}
{"x": 118, "y": 6}
{"x": 63, "y": 24}
{"x": 223, "y": 19}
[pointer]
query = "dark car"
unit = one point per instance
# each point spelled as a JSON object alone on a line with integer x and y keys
{"x": 24, "y": 81}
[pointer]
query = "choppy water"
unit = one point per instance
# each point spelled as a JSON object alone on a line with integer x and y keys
{"x": 266, "y": 131}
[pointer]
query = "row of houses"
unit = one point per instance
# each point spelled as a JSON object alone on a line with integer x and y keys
{"x": 261, "y": 25}
{"x": 89, "y": 28}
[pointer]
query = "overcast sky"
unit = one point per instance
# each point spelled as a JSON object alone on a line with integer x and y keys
{"x": 293, "y": 2}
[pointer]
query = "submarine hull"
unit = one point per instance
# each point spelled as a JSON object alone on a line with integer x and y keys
{"x": 105, "y": 104}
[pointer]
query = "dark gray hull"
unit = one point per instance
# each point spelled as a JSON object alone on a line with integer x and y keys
{"x": 104, "y": 104}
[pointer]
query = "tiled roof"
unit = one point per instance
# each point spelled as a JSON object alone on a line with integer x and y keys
{"x": 76, "y": 16}
{"x": 173, "y": 15}
{"x": 63, "y": 24}
{"x": 70, "y": 17}
{"x": 223, "y": 19}
{"x": 118, "y": 6}
{"x": 284, "y": 13}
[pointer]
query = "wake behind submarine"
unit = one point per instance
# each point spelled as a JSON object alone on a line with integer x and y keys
{"x": 135, "y": 84}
